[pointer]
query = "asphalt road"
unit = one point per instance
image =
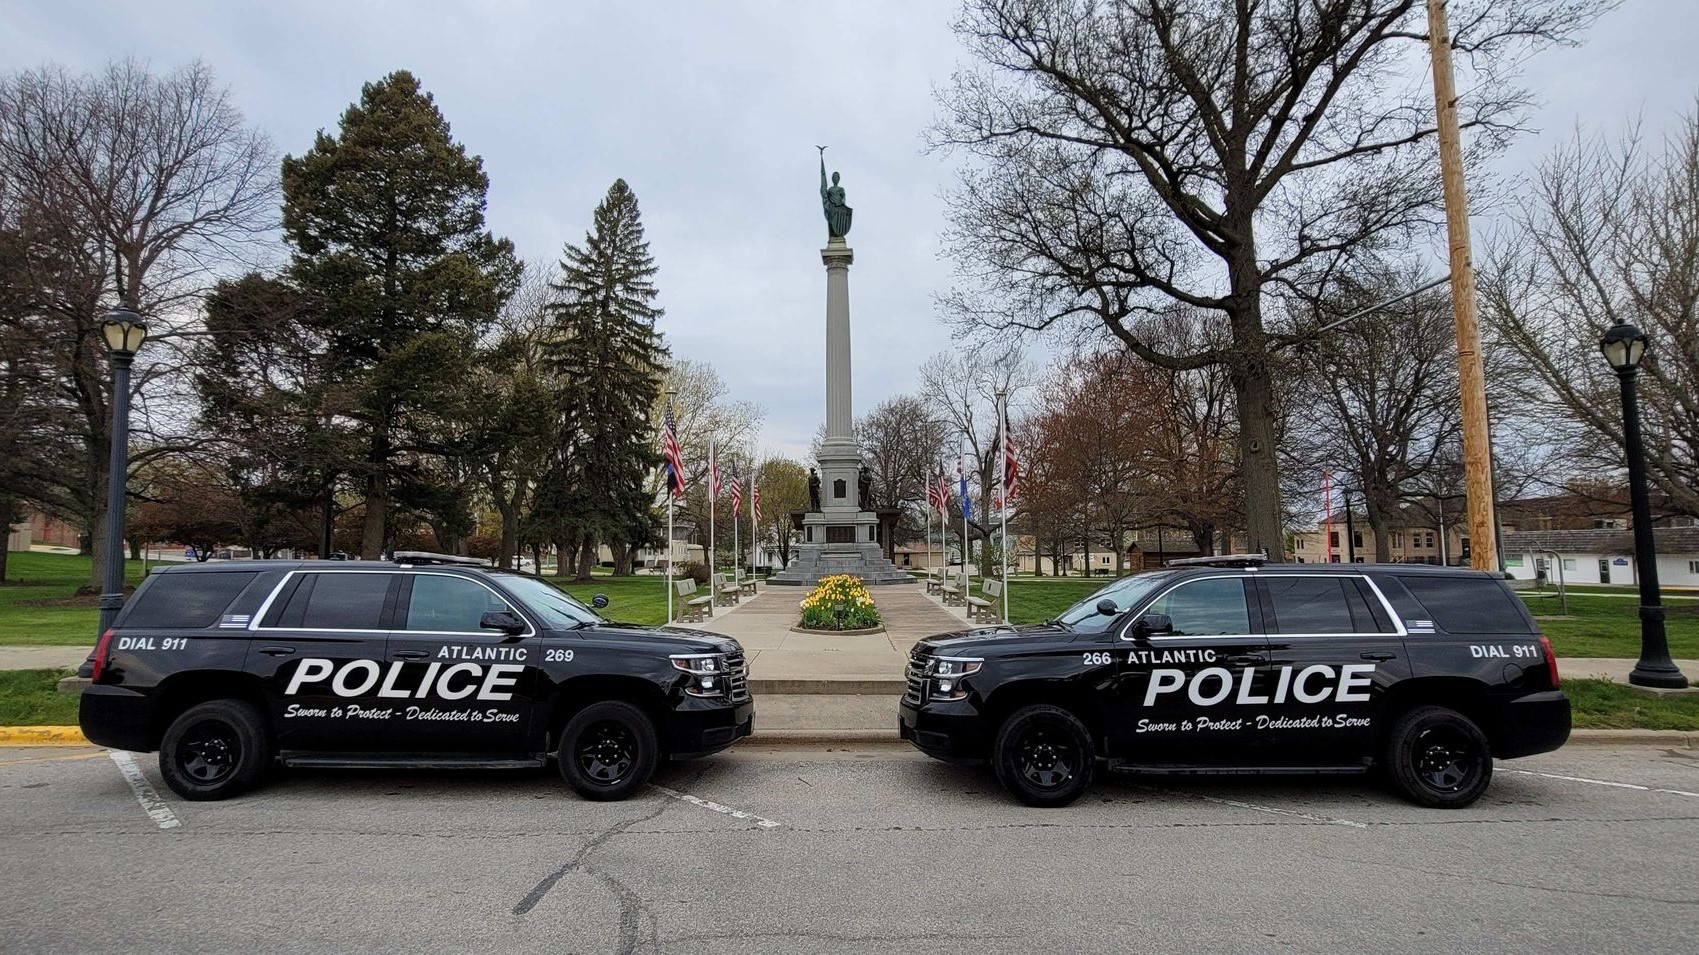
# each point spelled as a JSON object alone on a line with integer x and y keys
{"x": 871, "y": 851}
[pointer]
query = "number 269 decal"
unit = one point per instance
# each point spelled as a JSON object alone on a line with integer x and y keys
{"x": 557, "y": 656}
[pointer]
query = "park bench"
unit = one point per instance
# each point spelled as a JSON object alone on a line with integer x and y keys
{"x": 745, "y": 584}
{"x": 935, "y": 580}
{"x": 953, "y": 589}
{"x": 983, "y": 608}
{"x": 692, "y": 607}
{"x": 725, "y": 592}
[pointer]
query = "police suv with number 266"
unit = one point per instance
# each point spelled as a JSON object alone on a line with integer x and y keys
{"x": 426, "y": 662}
{"x": 1425, "y": 674}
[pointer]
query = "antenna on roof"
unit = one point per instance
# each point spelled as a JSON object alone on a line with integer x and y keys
{"x": 1221, "y": 560}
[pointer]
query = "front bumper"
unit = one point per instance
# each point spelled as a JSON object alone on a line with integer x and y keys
{"x": 697, "y": 730}
{"x": 1536, "y": 723}
{"x": 949, "y": 730}
{"x": 116, "y": 717}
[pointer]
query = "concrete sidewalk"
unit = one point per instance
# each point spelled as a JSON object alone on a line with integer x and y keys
{"x": 783, "y": 661}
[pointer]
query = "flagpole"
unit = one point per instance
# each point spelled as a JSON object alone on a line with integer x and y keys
{"x": 966, "y": 545}
{"x": 713, "y": 506}
{"x": 1003, "y": 491}
{"x": 671, "y": 500}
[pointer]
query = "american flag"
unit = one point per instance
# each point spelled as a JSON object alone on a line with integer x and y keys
{"x": 737, "y": 497}
{"x": 943, "y": 492}
{"x": 673, "y": 454}
{"x": 1011, "y": 470}
{"x": 754, "y": 501}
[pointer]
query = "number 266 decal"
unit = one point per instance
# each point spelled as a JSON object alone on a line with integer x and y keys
{"x": 1097, "y": 659}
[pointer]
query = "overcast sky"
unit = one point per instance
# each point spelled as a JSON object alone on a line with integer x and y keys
{"x": 711, "y": 112}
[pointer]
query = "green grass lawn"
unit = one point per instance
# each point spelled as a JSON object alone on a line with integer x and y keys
{"x": 1610, "y": 626}
{"x": 30, "y": 698}
{"x": 35, "y": 607}
{"x": 35, "y": 602}
{"x": 1601, "y": 704}
{"x": 1597, "y": 626}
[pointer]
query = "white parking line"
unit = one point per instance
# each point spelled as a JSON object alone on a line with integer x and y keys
{"x": 1602, "y": 782}
{"x": 154, "y": 806}
{"x": 715, "y": 807}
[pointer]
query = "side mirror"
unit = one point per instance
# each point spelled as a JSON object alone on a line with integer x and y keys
{"x": 599, "y": 601}
{"x": 1150, "y": 623}
{"x": 1107, "y": 607}
{"x": 504, "y": 620}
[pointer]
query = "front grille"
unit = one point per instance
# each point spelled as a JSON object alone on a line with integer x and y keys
{"x": 737, "y": 677}
{"x": 916, "y": 678}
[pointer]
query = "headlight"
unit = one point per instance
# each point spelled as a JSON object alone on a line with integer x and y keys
{"x": 705, "y": 670}
{"x": 947, "y": 673}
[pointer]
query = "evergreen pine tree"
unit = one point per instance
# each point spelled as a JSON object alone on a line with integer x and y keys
{"x": 387, "y": 221}
{"x": 609, "y": 359}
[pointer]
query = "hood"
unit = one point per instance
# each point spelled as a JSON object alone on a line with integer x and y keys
{"x": 682, "y": 639}
{"x": 1002, "y": 635}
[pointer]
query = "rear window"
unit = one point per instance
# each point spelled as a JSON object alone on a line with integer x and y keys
{"x": 335, "y": 601}
{"x": 1468, "y": 604}
{"x": 191, "y": 601}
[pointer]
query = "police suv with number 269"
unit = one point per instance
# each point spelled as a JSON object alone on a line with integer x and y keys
{"x": 426, "y": 662}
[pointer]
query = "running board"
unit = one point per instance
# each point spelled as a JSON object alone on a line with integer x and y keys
{"x": 1162, "y": 769}
{"x": 305, "y": 760}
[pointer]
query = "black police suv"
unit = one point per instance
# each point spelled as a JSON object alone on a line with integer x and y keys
{"x": 229, "y": 668}
{"x": 1238, "y": 666}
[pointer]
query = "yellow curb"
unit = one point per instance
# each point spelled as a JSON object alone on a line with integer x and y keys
{"x": 42, "y": 736}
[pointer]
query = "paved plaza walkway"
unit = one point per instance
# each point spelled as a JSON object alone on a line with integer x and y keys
{"x": 779, "y": 656}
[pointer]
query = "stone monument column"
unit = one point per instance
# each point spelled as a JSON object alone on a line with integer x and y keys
{"x": 839, "y": 415}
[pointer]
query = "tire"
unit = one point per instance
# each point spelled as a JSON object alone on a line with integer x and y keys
{"x": 1438, "y": 757}
{"x": 215, "y": 750}
{"x": 607, "y": 750}
{"x": 1044, "y": 756}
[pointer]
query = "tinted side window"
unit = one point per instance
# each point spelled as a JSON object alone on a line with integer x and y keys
{"x": 186, "y": 601}
{"x": 1211, "y": 607}
{"x": 1315, "y": 605}
{"x": 1468, "y": 604}
{"x": 346, "y": 601}
{"x": 452, "y": 604}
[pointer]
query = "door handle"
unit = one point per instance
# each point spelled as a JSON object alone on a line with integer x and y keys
{"x": 412, "y": 654}
{"x": 277, "y": 651}
{"x": 1380, "y": 655}
{"x": 1245, "y": 659}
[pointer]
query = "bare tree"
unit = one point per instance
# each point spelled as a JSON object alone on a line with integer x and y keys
{"x": 1612, "y": 234}
{"x": 1378, "y": 406}
{"x": 1145, "y": 156}
{"x": 133, "y": 189}
{"x": 960, "y": 387}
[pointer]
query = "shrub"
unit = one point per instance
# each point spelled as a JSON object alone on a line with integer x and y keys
{"x": 695, "y": 570}
{"x": 840, "y": 602}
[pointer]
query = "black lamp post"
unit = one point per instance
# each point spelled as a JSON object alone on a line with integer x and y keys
{"x": 1623, "y": 346}
{"x": 124, "y": 331}
{"x": 1350, "y": 531}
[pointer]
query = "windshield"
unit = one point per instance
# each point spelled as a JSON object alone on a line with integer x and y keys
{"x": 1125, "y": 592}
{"x": 558, "y": 610}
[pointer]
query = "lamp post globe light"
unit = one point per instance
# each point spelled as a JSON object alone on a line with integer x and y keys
{"x": 1623, "y": 346}
{"x": 124, "y": 331}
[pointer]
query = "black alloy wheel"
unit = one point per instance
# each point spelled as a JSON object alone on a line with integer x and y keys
{"x": 215, "y": 750}
{"x": 1047, "y": 760}
{"x": 607, "y": 750}
{"x": 208, "y": 751}
{"x": 1438, "y": 757}
{"x": 1044, "y": 755}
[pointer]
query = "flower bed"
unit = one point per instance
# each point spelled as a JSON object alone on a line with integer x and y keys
{"x": 837, "y": 604}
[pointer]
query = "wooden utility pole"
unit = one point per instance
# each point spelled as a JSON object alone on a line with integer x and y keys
{"x": 1471, "y": 373}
